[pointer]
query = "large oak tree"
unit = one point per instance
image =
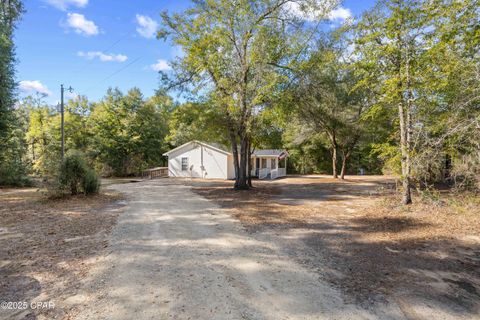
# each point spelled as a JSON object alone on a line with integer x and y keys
{"x": 240, "y": 52}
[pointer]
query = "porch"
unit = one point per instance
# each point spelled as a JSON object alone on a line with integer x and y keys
{"x": 269, "y": 164}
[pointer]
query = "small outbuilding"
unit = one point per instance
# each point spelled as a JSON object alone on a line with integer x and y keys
{"x": 196, "y": 159}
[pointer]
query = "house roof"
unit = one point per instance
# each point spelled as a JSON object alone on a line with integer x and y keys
{"x": 277, "y": 153}
{"x": 215, "y": 146}
{"x": 270, "y": 153}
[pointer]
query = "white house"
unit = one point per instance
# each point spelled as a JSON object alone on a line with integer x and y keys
{"x": 198, "y": 159}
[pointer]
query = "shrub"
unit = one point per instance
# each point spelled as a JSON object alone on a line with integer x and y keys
{"x": 76, "y": 176}
{"x": 91, "y": 183}
{"x": 14, "y": 174}
{"x": 466, "y": 172}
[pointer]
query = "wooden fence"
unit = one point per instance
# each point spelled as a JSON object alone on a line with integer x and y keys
{"x": 159, "y": 172}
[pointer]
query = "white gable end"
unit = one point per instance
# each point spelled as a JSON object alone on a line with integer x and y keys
{"x": 198, "y": 160}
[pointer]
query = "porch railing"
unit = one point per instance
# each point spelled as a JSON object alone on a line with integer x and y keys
{"x": 274, "y": 173}
{"x": 155, "y": 173}
{"x": 263, "y": 173}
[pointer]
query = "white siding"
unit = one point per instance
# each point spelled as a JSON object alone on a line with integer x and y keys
{"x": 215, "y": 163}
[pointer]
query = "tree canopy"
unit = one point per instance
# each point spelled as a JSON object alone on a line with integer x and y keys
{"x": 395, "y": 90}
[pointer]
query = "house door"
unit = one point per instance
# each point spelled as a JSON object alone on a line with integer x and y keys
{"x": 257, "y": 166}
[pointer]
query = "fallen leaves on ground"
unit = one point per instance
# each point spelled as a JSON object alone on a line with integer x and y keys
{"x": 48, "y": 245}
{"x": 362, "y": 240}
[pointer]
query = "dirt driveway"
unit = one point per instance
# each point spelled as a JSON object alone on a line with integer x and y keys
{"x": 175, "y": 255}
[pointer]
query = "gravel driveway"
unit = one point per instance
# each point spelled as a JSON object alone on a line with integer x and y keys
{"x": 174, "y": 255}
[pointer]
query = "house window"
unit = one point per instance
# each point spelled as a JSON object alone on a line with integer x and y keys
{"x": 184, "y": 164}
{"x": 264, "y": 163}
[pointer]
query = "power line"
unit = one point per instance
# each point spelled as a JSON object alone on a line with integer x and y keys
{"x": 114, "y": 73}
{"x": 91, "y": 61}
{"x": 116, "y": 42}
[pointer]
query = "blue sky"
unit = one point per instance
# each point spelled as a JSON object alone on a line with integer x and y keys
{"x": 92, "y": 45}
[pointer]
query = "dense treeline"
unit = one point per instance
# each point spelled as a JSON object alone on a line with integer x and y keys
{"x": 12, "y": 169}
{"x": 120, "y": 135}
{"x": 396, "y": 90}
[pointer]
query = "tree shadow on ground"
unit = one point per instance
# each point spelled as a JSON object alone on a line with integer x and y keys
{"x": 371, "y": 259}
{"x": 446, "y": 270}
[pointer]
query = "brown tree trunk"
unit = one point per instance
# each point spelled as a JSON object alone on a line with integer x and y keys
{"x": 334, "y": 146}
{"x": 249, "y": 164}
{"x": 405, "y": 152}
{"x": 334, "y": 162}
{"x": 236, "y": 165}
{"x": 345, "y": 156}
{"x": 241, "y": 182}
{"x": 405, "y": 115}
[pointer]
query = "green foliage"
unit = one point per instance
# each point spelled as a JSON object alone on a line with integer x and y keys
{"x": 420, "y": 61}
{"x": 75, "y": 176}
{"x": 128, "y": 133}
{"x": 120, "y": 135}
{"x": 196, "y": 121}
{"x": 396, "y": 92}
{"x": 240, "y": 52}
{"x": 10, "y": 12}
{"x": 390, "y": 154}
{"x": 327, "y": 103}
{"x": 91, "y": 182}
{"x": 13, "y": 168}
{"x": 42, "y": 135}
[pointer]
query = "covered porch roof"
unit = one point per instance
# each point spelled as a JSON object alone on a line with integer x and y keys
{"x": 270, "y": 153}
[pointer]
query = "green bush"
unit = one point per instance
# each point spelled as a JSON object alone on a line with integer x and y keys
{"x": 91, "y": 183}
{"x": 75, "y": 176}
{"x": 14, "y": 174}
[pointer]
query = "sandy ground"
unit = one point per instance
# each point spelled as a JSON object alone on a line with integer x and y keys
{"x": 175, "y": 255}
{"x": 306, "y": 247}
{"x": 424, "y": 258}
{"x": 47, "y": 246}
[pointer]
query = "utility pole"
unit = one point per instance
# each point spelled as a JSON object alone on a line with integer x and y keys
{"x": 62, "y": 111}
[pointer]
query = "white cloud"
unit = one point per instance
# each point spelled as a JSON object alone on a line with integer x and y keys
{"x": 313, "y": 13}
{"x": 303, "y": 10}
{"x": 106, "y": 57}
{"x": 32, "y": 86}
{"x": 64, "y": 4}
{"x": 161, "y": 65}
{"x": 81, "y": 25}
{"x": 340, "y": 13}
{"x": 147, "y": 27}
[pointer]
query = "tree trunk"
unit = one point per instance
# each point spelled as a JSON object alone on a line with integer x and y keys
{"x": 241, "y": 182}
{"x": 236, "y": 164}
{"x": 345, "y": 157}
{"x": 249, "y": 164}
{"x": 73, "y": 187}
{"x": 404, "y": 147}
{"x": 334, "y": 146}
{"x": 334, "y": 162}
{"x": 405, "y": 115}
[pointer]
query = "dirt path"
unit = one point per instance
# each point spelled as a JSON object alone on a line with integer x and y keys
{"x": 174, "y": 255}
